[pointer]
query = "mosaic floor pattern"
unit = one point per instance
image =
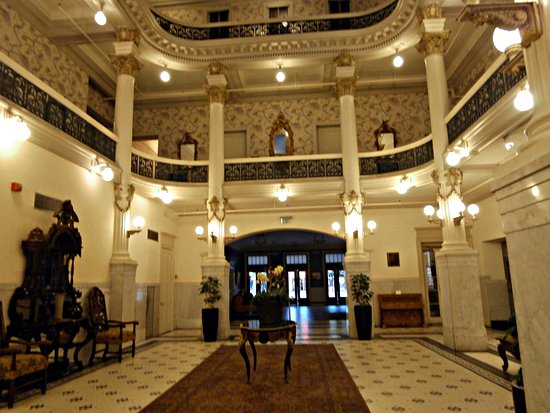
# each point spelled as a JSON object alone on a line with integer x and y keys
{"x": 404, "y": 374}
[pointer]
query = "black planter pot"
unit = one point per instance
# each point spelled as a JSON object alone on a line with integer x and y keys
{"x": 518, "y": 394}
{"x": 210, "y": 324}
{"x": 363, "y": 321}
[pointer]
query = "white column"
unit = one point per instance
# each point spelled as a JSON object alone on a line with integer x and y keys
{"x": 215, "y": 263}
{"x": 356, "y": 260}
{"x": 457, "y": 264}
{"x": 123, "y": 268}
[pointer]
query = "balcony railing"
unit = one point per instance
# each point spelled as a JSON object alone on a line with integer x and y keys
{"x": 229, "y": 31}
{"x": 32, "y": 97}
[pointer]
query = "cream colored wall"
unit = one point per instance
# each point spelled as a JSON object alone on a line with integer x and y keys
{"x": 92, "y": 198}
{"x": 145, "y": 251}
{"x": 38, "y": 54}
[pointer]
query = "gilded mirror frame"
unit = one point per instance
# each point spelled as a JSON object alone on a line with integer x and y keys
{"x": 281, "y": 125}
{"x": 188, "y": 141}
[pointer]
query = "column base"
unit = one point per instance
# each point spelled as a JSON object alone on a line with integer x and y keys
{"x": 123, "y": 290}
{"x": 460, "y": 300}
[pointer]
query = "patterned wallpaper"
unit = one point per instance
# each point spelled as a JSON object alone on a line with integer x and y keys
{"x": 28, "y": 47}
{"x": 251, "y": 11}
{"x": 408, "y": 113}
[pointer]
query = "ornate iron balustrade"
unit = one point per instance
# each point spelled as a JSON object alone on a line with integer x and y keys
{"x": 26, "y": 94}
{"x": 484, "y": 99}
{"x": 275, "y": 28}
{"x": 399, "y": 161}
{"x": 164, "y": 171}
{"x": 304, "y": 168}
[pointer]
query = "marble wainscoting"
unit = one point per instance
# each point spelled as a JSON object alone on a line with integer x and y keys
{"x": 495, "y": 301}
{"x": 187, "y": 305}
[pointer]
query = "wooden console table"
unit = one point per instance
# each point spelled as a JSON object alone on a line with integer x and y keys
{"x": 251, "y": 332}
{"x": 401, "y": 310}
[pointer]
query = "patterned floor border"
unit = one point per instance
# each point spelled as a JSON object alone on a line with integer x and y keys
{"x": 487, "y": 372}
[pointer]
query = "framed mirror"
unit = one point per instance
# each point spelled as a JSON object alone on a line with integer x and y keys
{"x": 281, "y": 137}
{"x": 187, "y": 148}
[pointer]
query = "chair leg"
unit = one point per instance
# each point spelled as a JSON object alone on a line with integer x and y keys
{"x": 105, "y": 352}
{"x": 120, "y": 352}
{"x": 133, "y": 347}
{"x": 92, "y": 355}
{"x": 44, "y": 383}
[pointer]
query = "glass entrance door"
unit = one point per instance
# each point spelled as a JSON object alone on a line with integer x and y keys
{"x": 337, "y": 291}
{"x": 297, "y": 286}
{"x": 431, "y": 283}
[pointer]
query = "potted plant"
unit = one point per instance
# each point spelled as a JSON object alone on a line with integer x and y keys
{"x": 362, "y": 295}
{"x": 210, "y": 289}
{"x": 272, "y": 298}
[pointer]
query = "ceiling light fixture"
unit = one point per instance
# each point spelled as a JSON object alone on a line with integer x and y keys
{"x": 280, "y": 76}
{"x": 165, "y": 75}
{"x": 100, "y": 17}
{"x": 13, "y": 129}
{"x": 404, "y": 185}
{"x": 398, "y": 61}
{"x": 453, "y": 157}
{"x": 164, "y": 195}
{"x": 102, "y": 169}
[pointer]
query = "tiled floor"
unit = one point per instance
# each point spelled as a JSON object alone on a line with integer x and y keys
{"x": 402, "y": 370}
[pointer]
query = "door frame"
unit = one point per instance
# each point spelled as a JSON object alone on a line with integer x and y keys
{"x": 427, "y": 236}
{"x": 166, "y": 284}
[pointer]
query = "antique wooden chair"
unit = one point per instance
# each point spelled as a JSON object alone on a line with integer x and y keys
{"x": 18, "y": 366}
{"x": 108, "y": 332}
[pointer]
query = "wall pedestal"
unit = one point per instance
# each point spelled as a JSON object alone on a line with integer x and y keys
{"x": 461, "y": 310}
{"x": 123, "y": 291}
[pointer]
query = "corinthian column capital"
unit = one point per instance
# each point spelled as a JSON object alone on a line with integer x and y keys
{"x": 126, "y": 64}
{"x": 345, "y": 59}
{"x": 217, "y": 93}
{"x": 124, "y": 34}
{"x": 433, "y": 42}
{"x": 346, "y": 86}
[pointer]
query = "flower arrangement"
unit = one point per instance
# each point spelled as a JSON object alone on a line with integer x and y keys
{"x": 273, "y": 286}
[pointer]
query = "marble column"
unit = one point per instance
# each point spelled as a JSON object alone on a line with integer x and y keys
{"x": 522, "y": 190}
{"x": 215, "y": 264}
{"x": 356, "y": 259}
{"x": 123, "y": 267}
{"x": 457, "y": 264}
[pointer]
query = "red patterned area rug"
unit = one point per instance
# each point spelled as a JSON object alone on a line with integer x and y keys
{"x": 319, "y": 382}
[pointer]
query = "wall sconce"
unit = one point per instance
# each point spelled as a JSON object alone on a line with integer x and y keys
{"x": 164, "y": 195}
{"x": 371, "y": 225}
{"x": 404, "y": 185}
{"x": 453, "y": 157}
{"x": 398, "y": 61}
{"x": 282, "y": 193}
{"x": 13, "y": 129}
{"x": 102, "y": 169}
{"x": 139, "y": 223}
{"x": 458, "y": 208}
{"x": 280, "y": 75}
{"x": 199, "y": 232}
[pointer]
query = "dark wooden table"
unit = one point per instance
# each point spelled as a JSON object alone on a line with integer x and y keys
{"x": 251, "y": 331}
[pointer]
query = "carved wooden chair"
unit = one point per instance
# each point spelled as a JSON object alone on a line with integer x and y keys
{"x": 108, "y": 332}
{"x": 18, "y": 366}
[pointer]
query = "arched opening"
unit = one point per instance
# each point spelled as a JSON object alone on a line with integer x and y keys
{"x": 313, "y": 267}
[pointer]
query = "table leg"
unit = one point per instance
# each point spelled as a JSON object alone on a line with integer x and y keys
{"x": 242, "y": 350}
{"x": 253, "y": 347}
{"x": 290, "y": 349}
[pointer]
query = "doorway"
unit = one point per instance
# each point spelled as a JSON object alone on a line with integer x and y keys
{"x": 166, "y": 290}
{"x": 335, "y": 275}
{"x": 431, "y": 283}
{"x": 297, "y": 270}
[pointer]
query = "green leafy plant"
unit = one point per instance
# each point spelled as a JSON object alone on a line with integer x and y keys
{"x": 360, "y": 289}
{"x": 210, "y": 288}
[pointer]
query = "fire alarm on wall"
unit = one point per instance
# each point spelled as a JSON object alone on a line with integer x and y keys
{"x": 16, "y": 187}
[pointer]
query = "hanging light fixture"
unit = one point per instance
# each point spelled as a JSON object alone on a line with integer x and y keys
{"x": 165, "y": 75}
{"x": 100, "y": 17}
{"x": 102, "y": 169}
{"x": 503, "y": 39}
{"x": 280, "y": 76}
{"x": 13, "y": 129}
{"x": 282, "y": 193}
{"x": 404, "y": 185}
{"x": 398, "y": 61}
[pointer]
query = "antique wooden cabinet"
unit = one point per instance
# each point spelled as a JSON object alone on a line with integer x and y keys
{"x": 401, "y": 310}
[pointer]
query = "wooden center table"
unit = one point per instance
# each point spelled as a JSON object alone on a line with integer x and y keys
{"x": 252, "y": 331}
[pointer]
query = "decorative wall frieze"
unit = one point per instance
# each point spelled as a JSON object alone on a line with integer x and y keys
{"x": 216, "y": 209}
{"x": 433, "y": 43}
{"x": 451, "y": 183}
{"x": 400, "y": 16}
{"x": 217, "y": 94}
{"x": 126, "y": 64}
{"x": 124, "y": 194}
{"x": 346, "y": 86}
